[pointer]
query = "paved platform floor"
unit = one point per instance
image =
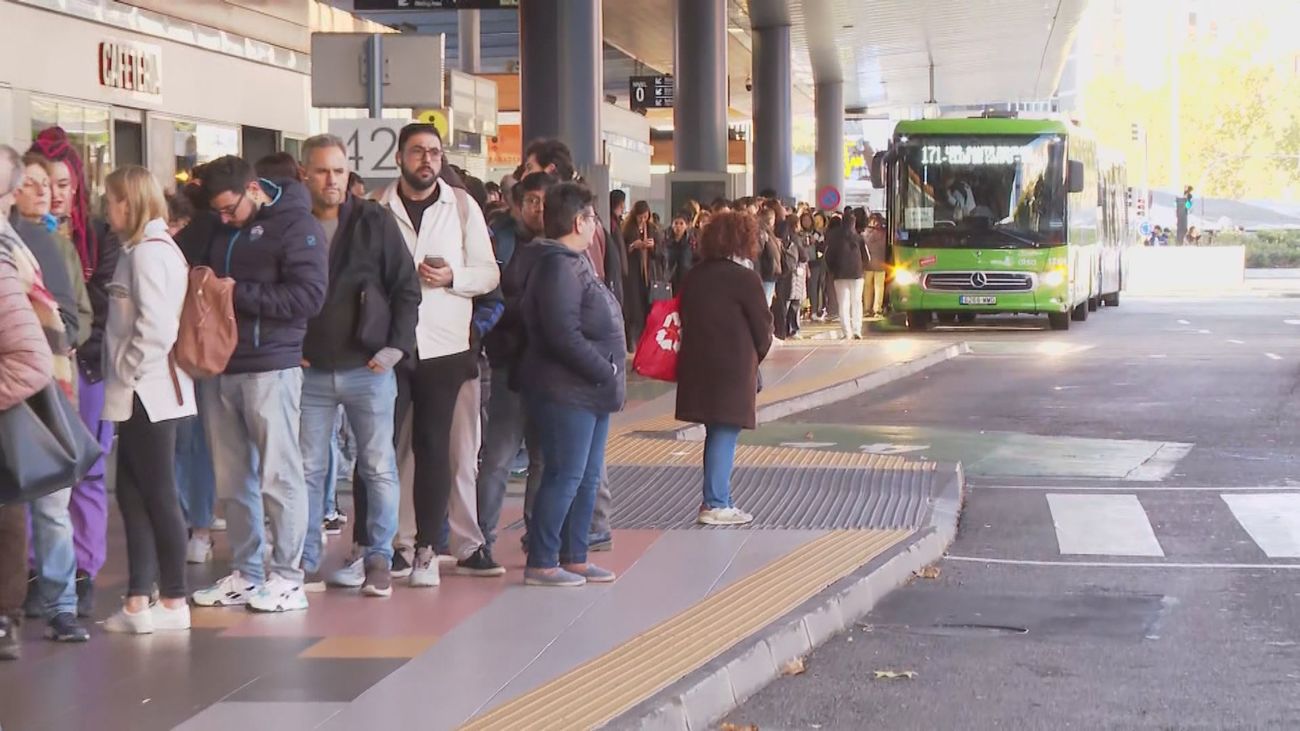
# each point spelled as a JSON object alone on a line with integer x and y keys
{"x": 493, "y": 651}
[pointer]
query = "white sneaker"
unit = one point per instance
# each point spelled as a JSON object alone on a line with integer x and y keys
{"x": 353, "y": 573}
{"x": 218, "y": 524}
{"x": 232, "y": 591}
{"x": 198, "y": 550}
{"x": 724, "y": 516}
{"x": 124, "y": 622}
{"x": 424, "y": 570}
{"x": 165, "y": 619}
{"x": 446, "y": 559}
{"x": 279, "y": 594}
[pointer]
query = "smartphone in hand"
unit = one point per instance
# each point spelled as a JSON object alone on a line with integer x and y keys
{"x": 436, "y": 262}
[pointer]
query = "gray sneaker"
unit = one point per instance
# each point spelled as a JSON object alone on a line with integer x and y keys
{"x": 379, "y": 577}
{"x": 424, "y": 570}
{"x": 353, "y": 573}
{"x": 552, "y": 577}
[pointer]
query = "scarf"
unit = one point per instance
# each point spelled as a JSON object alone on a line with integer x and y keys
{"x": 53, "y": 144}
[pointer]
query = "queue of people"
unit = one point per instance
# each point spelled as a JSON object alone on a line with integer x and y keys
{"x": 454, "y": 328}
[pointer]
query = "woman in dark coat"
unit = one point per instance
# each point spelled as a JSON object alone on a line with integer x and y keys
{"x": 645, "y": 264}
{"x": 681, "y": 251}
{"x": 726, "y": 333}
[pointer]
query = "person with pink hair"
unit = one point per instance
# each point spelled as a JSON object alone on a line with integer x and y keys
{"x": 98, "y": 250}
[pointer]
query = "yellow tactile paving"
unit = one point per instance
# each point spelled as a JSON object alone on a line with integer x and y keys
{"x": 353, "y": 647}
{"x": 597, "y": 692}
{"x": 669, "y": 452}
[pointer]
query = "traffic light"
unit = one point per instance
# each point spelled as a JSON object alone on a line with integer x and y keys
{"x": 1187, "y": 197}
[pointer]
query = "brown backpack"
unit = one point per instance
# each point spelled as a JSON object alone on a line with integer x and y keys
{"x": 208, "y": 333}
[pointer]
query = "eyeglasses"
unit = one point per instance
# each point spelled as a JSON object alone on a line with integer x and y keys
{"x": 420, "y": 153}
{"x": 229, "y": 211}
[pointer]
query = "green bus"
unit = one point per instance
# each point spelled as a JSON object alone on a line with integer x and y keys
{"x": 996, "y": 215}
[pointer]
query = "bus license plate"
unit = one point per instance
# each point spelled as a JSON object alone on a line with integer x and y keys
{"x": 978, "y": 300}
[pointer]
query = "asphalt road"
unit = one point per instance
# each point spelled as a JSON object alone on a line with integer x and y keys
{"x": 1142, "y": 603}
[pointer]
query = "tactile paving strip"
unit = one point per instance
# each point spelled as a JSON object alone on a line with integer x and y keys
{"x": 670, "y": 453}
{"x": 597, "y": 692}
{"x": 778, "y": 497}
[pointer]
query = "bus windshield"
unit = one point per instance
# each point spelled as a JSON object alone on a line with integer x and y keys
{"x": 984, "y": 192}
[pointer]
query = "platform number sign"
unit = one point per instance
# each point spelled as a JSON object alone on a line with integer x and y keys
{"x": 651, "y": 92}
{"x": 371, "y": 145}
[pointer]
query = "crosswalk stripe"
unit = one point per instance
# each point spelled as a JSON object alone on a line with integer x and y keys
{"x": 1102, "y": 525}
{"x": 1272, "y": 520}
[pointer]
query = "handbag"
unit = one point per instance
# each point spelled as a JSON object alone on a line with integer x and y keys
{"x": 374, "y": 318}
{"x": 660, "y": 291}
{"x": 44, "y": 447}
{"x": 656, "y": 353}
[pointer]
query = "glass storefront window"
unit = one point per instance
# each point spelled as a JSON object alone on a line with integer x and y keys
{"x": 177, "y": 146}
{"x": 89, "y": 131}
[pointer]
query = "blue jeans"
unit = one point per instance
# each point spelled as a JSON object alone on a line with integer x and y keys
{"x": 507, "y": 426}
{"x": 369, "y": 400}
{"x": 719, "y": 458}
{"x": 573, "y": 448}
{"x": 195, "y": 482}
{"x": 253, "y": 422}
{"x": 56, "y": 562}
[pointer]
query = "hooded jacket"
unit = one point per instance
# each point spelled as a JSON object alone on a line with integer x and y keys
{"x": 278, "y": 262}
{"x": 367, "y": 257}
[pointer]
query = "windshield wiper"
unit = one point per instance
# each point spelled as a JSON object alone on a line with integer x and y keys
{"x": 1018, "y": 237}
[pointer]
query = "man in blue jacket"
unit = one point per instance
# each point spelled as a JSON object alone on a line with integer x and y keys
{"x": 276, "y": 252}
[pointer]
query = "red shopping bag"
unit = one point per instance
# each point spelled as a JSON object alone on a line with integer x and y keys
{"x": 656, "y": 354}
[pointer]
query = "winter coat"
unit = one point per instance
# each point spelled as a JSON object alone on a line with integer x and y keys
{"x": 574, "y": 334}
{"x": 90, "y": 353}
{"x": 875, "y": 243}
{"x": 844, "y": 253}
{"x": 368, "y": 258}
{"x": 279, "y": 264}
{"x": 25, "y": 357}
{"x": 726, "y": 333}
{"x": 61, "y": 270}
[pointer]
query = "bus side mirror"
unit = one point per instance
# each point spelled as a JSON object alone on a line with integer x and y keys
{"x": 878, "y": 170}
{"x": 1074, "y": 176}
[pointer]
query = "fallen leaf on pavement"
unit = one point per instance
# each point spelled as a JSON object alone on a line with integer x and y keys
{"x": 929, "y": 572}
{"x": 734, "y": 727}
{"x": 809, "y": 435}
{"x": 895, "y": 674}
{"x": 794, "y": 667}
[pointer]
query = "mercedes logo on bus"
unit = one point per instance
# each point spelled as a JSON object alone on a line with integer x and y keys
{"x": 979, "y": 280}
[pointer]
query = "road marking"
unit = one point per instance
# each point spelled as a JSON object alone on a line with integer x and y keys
{"x": 1124, "y": 564}
{"x": 1292, "y": 322}
{"x": 1158, "y": 355}
{"x": 885, "y": 448}
{"x": 1236, "y": 342}
{"x": 1184, "y": 322}
{"x": 1202, "y": 332}
{"x": 1274, "y": 356}
{"x": 1102, "y": 525}
{"x": 1273, "y": 521}
{"x": 1130, "y": 488}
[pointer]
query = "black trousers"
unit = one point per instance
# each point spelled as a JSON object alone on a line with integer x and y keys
{"x": 150, "y": 505}
{"x": 429, "y": 394}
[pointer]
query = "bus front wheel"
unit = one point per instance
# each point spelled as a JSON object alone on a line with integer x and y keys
{"x": 918, "y": 320}
{"x": 966, "y": 318}
{"x": 1059, "y": 320}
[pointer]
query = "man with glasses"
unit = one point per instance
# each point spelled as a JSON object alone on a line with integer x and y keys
{"x": 275, "y": 250}
{"x": 448, "y": 238}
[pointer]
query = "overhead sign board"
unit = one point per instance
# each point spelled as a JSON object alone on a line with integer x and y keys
{"x": 412, "y": 65}
{"x": 651, "y": 92}
{"x": 434, "y": 4}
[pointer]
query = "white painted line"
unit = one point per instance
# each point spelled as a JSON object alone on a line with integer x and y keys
{"x": 1292, "y": 322}
{"x": 1131, "y": 488}
{"x": 1236, "y": 342}
{"x": 1273, "y": 521}
{"x": 1274, "y": 356}
{"x": 1124, "y": 564}
{"x": 1184, "y": 322}
{"x": 1158, "y": 355}
{"x": 1102, "y": 525}
{"x": 1202, "y": 332}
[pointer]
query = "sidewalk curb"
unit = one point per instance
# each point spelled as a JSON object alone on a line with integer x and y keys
{"x": 701, "y": 698}
{"x": 840, "y": 391}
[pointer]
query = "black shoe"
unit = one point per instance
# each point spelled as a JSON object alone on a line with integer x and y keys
{"x": 401, "y": 564}
{"x": 33, "y": 606}
{"x": 65, "y": 628}
{"x": 480, "y": 564}
{"x": 600, "y": 544}
{"x": 334, "y": 525}
{"x": 85, "y": 595}
{"x": 10, "y": 647}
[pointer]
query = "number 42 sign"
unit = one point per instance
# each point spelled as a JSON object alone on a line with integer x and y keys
{"x": 371, "y": 145}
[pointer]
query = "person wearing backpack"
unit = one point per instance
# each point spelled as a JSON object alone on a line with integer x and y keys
{"x": 146, "y": 394}
{"x": 275, "y": 251}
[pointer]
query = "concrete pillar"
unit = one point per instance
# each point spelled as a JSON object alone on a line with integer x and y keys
{"x": 773, "y": 135}
{"x": 700, "y": 86}
{"x": 562, "y": 75}
{"x": 469, "y": 41}
{"x": 830, "y": 135}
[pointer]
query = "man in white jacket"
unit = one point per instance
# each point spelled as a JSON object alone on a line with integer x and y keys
{"x": 448, "y": 239}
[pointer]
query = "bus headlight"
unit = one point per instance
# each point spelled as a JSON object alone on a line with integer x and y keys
{"x": 1054, "y": 278}
{"x": 903, "y": 277}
